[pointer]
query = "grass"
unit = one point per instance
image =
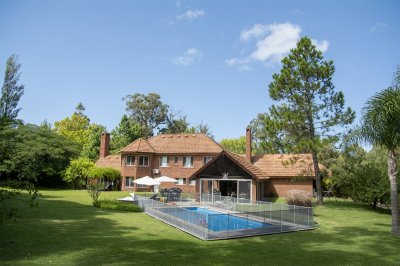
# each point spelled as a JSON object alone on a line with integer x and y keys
{"x": 67, "y": 230}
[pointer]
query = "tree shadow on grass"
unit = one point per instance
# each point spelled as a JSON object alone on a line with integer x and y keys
{"x": 63, "y": 232}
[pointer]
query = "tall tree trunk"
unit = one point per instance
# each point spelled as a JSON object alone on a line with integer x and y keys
{"x": 320, "y": 200}
{"x": 394, "y": 196}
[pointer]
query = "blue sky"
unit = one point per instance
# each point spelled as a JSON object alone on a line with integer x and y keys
{"x": 209, "y": 60}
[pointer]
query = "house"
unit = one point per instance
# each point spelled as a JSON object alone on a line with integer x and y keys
{"x": 201, "y": 165}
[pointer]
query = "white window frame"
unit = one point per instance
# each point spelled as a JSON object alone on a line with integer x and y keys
{"x": 162, "y": 161}
{"x": 206, "y": 159}
{"x": 144, "y": 165}
{"x": 131, "y": 179}
{"x": 130, "y": 162}
{"x": 184, "y": 162}
{"x": 181, "y": 181}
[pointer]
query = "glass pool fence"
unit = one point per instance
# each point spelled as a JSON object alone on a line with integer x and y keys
{"x": 220, "y": 217}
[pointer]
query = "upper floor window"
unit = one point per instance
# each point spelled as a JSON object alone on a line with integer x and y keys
{"x": 164, "y": 160}
{"x": 187, "y": 161}
{"x": 129, "y": 160}
{"x": 143, "y": 161}
{"x": 206, "y": 159}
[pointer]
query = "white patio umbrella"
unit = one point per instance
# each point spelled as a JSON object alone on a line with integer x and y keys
{"x": 147, "y": 181}
{"x": 165, "y": 179}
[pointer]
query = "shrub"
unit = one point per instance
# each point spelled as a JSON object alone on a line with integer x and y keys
{"x": 115, "y": 205}
{"x": 299, "y": 198}
{"x": 94, "y": 191}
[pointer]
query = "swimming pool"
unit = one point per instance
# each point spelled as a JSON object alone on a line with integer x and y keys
{"x": 217, "y": 221}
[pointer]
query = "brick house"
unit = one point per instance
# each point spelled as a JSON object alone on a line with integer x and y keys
{"x": 201, "y": 165}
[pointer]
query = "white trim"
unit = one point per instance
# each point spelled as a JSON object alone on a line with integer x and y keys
{"x": 220, "y": 179}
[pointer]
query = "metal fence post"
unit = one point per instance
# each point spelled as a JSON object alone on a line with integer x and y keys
{"x": 228, "y": 224}
{"x": 281, "y": 219}
{"x": 294, "y": 214}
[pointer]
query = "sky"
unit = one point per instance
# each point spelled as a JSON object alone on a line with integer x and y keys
{"x": 209, "y": 60}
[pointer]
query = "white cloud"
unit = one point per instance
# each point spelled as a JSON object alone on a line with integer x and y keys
{"x": 377, "y": 26}
{"x": 321, "y": 45}
{"x": 257, "y": 31}
{"x": 272, "y": 43}
{"x": 190, "y": 15}
{"x": 187, "y": 58}
{"x": 279, "y": 41}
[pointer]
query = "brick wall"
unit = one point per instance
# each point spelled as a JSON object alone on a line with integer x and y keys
{"x": 281, "y": 186}
{"x": 173, "y": 170}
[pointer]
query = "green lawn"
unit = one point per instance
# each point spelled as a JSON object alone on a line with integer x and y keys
{"x": 66, "y": 229}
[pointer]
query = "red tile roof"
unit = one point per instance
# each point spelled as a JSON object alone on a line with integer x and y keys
{"x": 113, "y": 161}
{"x": 139, "y": 145}
{"x": 256, "y": 171}
{"x": 175, "y": 144}
{"x": 285, "y": 165}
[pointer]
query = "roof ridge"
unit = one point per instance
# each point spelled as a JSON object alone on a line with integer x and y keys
{"x": 243, "y": 159}
{"x": 136, "y": 140}
{"x": 219, "y": 145}
{"x": 148, "y": 144}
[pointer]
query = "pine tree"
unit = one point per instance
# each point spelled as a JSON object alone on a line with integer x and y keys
{"x": 310, "y": 110}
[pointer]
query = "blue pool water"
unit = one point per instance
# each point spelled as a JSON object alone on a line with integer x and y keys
{"x": 217, "y": 221}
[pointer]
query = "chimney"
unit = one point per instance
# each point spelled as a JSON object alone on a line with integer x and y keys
{"x": 104, "y": 144}
{"x": 248, "y": 144}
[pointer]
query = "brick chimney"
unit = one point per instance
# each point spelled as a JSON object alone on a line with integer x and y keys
{"x": 248, "y": 144}
{"x": 104, "y": 144}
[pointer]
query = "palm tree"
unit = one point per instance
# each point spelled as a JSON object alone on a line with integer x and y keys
{"x": 381, "y": 126}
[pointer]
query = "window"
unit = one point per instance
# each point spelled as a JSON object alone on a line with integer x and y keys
{"x": 188, "y": 161}
{"x": 129, "y": 160}
{"x": 207, "y": 159}
{"x": 181, "y": 181}
{"x": 192, "y": 182}
{"x": 164, "y": 160}
{"x": 129, "y": 181}
{"x": 143, "y": 161}
{"x": 176, "y": 160}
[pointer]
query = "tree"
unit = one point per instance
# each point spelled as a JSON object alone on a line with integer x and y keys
{"x": 175, "y": 124}
{"x": 147, "y": 110}
{"x": 201, "y": 128}
{"x": 310, "y": 108}
{"x": 270, "y": 135}
{"x": 79, "y": 129}
{"x": 75, "y": 127}
{"x": 78, "y": 172}
{"x": 38, "y": 155}
{"x": 126, "y": 132}
{"x": 91, "y": 148}
{"x": 381, "y": 126}
{"x": 361, "y": 175}
{"x": 235, "y": 145}
{"x": 11, "y": 92}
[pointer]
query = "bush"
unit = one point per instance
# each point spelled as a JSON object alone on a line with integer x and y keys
{"x": 95, "y": 190}
{"x": 115, "y": 205}
{"x": 299, "y": 198}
